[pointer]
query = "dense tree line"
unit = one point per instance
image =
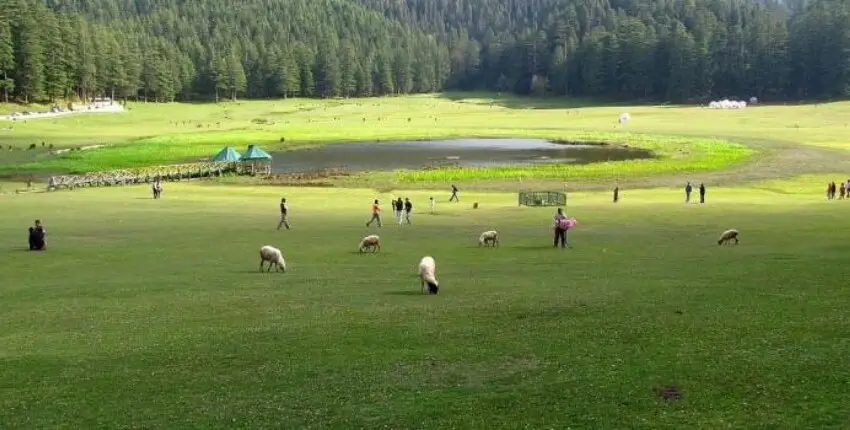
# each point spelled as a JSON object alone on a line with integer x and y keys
{"x": 675, "y": 50}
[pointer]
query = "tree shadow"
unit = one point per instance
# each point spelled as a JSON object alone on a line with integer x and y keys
{"x": 515, "y": 101}
{"x": 511, "y": 101}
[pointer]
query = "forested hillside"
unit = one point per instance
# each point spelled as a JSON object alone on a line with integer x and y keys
{"x": 676, "y": 50}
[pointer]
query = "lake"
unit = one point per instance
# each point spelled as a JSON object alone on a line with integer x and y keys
{"x": 393, "y": 155}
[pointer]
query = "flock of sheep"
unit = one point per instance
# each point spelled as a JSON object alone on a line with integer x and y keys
{"x": 731, "y": 104}
{"x": 427, "y": 266}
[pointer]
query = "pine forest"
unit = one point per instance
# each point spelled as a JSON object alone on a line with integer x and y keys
{"x": 665, "y": 50}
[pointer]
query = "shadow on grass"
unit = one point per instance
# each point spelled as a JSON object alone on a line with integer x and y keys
{"x": 405, "y": 293}
{"x": 533, "y": 247}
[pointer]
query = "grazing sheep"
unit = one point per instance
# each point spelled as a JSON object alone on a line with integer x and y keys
{"x": 274, "y": 257}
{"x": 491, "y": 237}
{"x": 372, "y": 242}
{"x": 625, "y": 117}
{"x": 427, "y": 269}
{"x": 727, "y": 236}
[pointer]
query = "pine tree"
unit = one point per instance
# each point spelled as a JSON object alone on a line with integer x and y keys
{"x": 402, "y": 73}
{"x": 327, "y": 70}
{"x": 130, "y": 58}
{"x": 29, "y": 52}
{"x": 85, "y": 67}
{"x": 7, "y": 56}
{"x": 348, "y": 68}
{"x": 236, "y": 79}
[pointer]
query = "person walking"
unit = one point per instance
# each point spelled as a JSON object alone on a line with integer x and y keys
{"x": 454, "y": 194}
{"x": 284, "y": 214}
{"x": 376, "y": 214}
{"x": 433, "y": 205}
{"x": 408, "y": 208}
{"x": 702, "y": 192}
{"x": 399, "y": 205}
{"x": 688, "y": 189}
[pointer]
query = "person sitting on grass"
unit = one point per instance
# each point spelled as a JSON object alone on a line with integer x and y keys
{"x": 36, "y": 237}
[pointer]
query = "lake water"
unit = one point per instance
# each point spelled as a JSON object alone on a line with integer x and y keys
{"x": 392, "y": 155}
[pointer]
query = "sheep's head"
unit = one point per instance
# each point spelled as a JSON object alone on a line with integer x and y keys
{"x": 433, "y": 287}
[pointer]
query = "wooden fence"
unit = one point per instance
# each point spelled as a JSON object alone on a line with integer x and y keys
{"x": 146, "y": 175}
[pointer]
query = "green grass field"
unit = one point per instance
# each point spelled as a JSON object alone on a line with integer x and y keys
{"x": 152, "y": 314}
{"x": 686, "y": 139}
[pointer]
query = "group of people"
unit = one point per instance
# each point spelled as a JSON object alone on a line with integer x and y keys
{"x": 36, "y": 237}
{"x": 843, "y": 190}
{"x": 689, "y": 188}
{"x": 401, "y": 209}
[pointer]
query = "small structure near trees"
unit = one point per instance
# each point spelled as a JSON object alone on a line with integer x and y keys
{"x": 542, "y": 198}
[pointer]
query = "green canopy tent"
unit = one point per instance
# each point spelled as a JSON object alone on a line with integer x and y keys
{"x": 227, "y": 155}
{"x": 257, "y": 161}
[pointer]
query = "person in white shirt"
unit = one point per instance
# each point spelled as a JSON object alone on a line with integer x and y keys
{"x": 284, "y": 214}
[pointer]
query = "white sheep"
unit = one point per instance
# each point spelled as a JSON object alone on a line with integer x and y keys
{"x": 625, "y": 117}
{"x": 491, "y": 237}
{"x": 372, "y": 242}
{"x": 727, "y": 236}
{"x": 274, "y": 257}
{"x": 427, "y": 271}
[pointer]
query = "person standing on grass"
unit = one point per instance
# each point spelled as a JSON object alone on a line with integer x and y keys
{"x": 701, "y": 192}
{"x": 157, "y": 188}
{"x": 616, "y": 194}
{"x": 454, "y": 194}
{"x": 284, "y": 214}
{"x": 399, "y": 207}
{"x": 376, "y": 214}
{"x": 433, "y": 204}
{"x": 688, "y": 189}
{"x": 560, "y": 229}
{"x": 395, "y": 207}
{"x": 841, "y": 190}
{"x": 408, "y": 208}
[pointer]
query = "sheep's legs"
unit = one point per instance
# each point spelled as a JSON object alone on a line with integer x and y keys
{"x": 261, "y": 265}
{"x": 270, "y": 267}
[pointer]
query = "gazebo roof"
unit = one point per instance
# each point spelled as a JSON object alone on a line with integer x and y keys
{"x": 255, "y": 153}
{"x": 227, "y": 154}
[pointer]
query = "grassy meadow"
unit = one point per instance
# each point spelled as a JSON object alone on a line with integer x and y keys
{"x": 152, "y": 314}
{"x": 686, "y": 139}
